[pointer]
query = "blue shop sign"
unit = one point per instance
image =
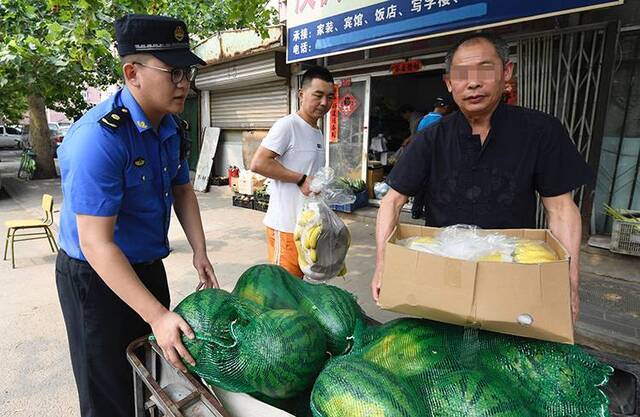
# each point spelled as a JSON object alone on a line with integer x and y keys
{"x": 326, "y": 27}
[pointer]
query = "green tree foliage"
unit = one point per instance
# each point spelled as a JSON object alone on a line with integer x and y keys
{"x": 52, "y": 50}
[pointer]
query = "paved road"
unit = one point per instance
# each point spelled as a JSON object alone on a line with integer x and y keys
{"x": 9, "y": 162}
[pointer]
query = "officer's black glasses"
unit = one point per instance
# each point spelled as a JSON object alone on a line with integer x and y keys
{"x": 177, "y": 74}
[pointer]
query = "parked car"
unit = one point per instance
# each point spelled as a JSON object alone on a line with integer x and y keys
{"x": 56, "y": 136}
{"x": 10, "y": 137}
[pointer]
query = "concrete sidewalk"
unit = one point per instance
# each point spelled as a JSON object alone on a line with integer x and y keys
{"x": 37, "y": 376}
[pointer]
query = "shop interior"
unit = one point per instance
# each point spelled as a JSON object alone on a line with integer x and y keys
{"x": 387, "y": 128}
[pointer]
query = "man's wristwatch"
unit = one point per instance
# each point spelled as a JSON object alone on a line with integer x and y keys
{"x": 302, "y": 180}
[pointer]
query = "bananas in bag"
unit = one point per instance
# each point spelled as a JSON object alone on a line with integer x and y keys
{"x": 321, "y": 237}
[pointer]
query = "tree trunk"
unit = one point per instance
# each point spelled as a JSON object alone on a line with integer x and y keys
{"x": 41, "y": 138}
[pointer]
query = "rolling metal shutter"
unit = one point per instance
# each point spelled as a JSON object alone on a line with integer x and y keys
{"x": 247, "y": 93}
{"x": 250, "y": 107}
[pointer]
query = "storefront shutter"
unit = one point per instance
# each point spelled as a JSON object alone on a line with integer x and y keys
{"x": 254, "y": 107}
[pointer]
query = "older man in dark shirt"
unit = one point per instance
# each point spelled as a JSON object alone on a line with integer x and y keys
{"x": 484, "y": 164}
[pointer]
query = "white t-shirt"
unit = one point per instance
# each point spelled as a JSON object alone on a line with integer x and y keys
{"x": 301, "y": 149}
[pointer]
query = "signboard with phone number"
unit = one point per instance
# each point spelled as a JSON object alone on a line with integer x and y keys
{"x": 319, "y": 28}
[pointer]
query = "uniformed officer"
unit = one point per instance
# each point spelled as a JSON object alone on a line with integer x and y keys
{"x": 123, "y": 166}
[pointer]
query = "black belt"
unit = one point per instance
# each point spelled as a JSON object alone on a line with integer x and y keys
{"x": 147, "y": 263}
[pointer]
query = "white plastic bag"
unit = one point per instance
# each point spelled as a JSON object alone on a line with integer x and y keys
{"x": 465, "y": 242}
{"x": 380, "y": 189}
{"x": 321, "y": 237}
{"x": 471, "y": 243}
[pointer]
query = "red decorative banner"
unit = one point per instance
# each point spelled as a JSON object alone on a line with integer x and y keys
{"x": 347, "y": 104}
{"x": 334, "y": 116}
{"x": 406, "y": 67}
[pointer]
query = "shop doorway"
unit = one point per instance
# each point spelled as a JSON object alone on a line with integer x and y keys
{"x": 366, "y": 128}
{"x": 348, "y": 122}
{"x": 389, "y": 94}
{"x": 398, "y": 103}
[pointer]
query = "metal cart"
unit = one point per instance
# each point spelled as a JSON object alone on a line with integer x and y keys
{"x": 162, "y": 390}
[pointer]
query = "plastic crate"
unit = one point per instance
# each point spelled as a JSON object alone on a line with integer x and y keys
{"x": 245, "y": 201}
{"x": 219, "y": 181}
{"x": 261, "y": 205}
{"x": 262, "y": 197}
{"x": 625, "y": 236}
{"x": 362, "y": 200}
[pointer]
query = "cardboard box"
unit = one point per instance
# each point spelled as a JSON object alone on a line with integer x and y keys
{"x": 488, "y": 295}
{"x": 245, "y": 186}
{"x": 249, "y": 182}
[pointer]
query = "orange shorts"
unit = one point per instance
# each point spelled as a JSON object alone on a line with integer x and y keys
{"x": 281, "y": 250}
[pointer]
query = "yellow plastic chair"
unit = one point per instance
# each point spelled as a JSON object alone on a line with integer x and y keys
{"x": 30, "y": 225}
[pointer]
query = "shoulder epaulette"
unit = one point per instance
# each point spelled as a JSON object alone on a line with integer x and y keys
{"x": 115, "y": 118}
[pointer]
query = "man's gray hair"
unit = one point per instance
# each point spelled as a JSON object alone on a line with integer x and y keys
{"x": 502, "y": 48}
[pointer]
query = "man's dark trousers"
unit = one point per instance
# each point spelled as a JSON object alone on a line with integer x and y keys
{"x": 99, "y": 328}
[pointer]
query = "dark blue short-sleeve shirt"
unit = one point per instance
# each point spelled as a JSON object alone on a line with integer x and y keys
{"x": 128, "y": 172}
{"x": 491, "y": 185}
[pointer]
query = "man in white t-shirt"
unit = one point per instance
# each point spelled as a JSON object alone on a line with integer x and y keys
{"x": 290, "y": 154}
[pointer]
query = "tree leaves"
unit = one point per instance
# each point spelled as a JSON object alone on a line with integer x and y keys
{"x": 56, "y": 48}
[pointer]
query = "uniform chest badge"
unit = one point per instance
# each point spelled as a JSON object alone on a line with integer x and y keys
{"x": 139, "y": 162}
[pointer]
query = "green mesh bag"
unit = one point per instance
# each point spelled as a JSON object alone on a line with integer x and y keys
{"x": 409, "y": 348}
{"x": 470, "y": 393}
{"x": 271, "y": 341}
{"x": 556, "y": 380}
{"x": 336, "y": 310}
{"x": 243, "y": 347}
{"x": 353, "y": 387}
{"x": 467, "y": 372}
{"x": 214, "y": 315}
{"x": 268, "y": 285}
{"x": 282, "y": 351}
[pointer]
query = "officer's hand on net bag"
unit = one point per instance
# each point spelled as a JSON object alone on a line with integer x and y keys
{"x": 167, "y": 329}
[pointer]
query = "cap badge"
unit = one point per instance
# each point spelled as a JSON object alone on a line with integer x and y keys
{"x": 179, "y": 33}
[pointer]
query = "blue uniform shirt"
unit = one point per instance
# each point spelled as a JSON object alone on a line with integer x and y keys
{"x": 128, "y": 172}
{"x": 427, "y": 120}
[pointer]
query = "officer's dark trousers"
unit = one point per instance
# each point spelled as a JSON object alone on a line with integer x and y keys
{"x": 99, "y": 328}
